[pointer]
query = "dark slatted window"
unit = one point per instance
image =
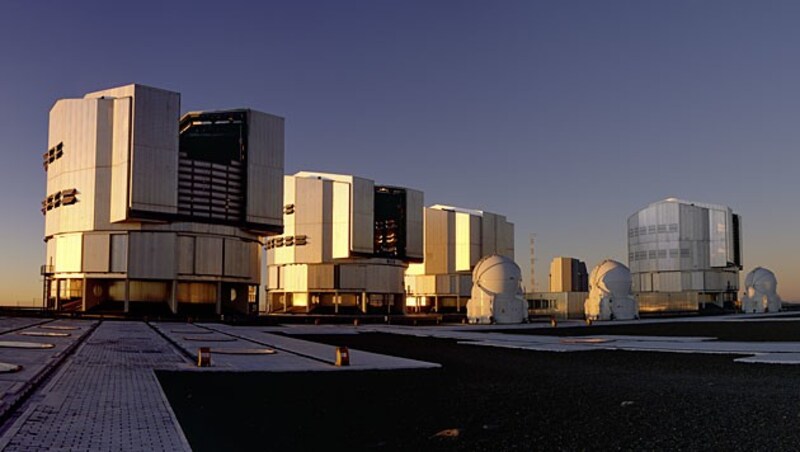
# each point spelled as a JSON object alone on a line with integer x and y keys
{"x": 390, "y": 222}
{"x": 211, "y": 166}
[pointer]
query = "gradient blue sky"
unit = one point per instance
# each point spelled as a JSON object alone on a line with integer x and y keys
{"x": 566, "y": 116}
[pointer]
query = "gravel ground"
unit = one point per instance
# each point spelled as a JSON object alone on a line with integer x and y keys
{"x": 725, "y": 331}
{"x": 495, "y": 399}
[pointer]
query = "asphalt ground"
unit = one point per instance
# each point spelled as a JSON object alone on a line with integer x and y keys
{"x": 752, "y": 331}
{"x": 488, "y": 398}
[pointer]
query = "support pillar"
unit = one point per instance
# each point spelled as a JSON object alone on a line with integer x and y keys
{"x": 336, "y": 302}
{"x": 364, "y": 302}
{"x": 127, "y": 305}
{"x": 173, "y": 297}
{"x": 83, "y": 295}
{"x": 258, "y": 299}
{"x": 219, "y": 298}
{"x": 44, "y": 294}
{"x": 458, "y": 293}
{"x": 58, "y": 294}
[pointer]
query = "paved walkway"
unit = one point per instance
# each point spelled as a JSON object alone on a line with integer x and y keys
{"x": 35, "y": 362}
{"x": 106, "y": 397}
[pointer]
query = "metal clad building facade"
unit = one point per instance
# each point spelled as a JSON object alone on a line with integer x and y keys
{"x": 568, "y": 274}
{"x": 683, "y": 255}
{"x": 455, "y": 240}
{"x": 345, "y": 247}
{"x": 145, "y": 209}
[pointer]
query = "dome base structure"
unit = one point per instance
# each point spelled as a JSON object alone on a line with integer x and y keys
{"x": 611, "y": 308}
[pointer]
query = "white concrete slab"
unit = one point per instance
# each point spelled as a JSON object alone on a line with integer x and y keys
{"x": 278, "y": 362}
{"x": 309, "y": 330}
{"x": 359, "y": 360}
{"x": 771, "y": 358}
{"x": 766, "y": 352}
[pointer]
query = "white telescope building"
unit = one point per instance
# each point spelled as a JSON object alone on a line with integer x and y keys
{"x": 147, "y": 210}
{"x": 684, "y": 256}
{"x": 346, "y": 245}
{"x": 455, "y": 240}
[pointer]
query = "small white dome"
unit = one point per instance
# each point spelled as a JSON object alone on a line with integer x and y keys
{"x": 762, "y": 279}
{"x": 761, "y": 292}
{"x": 497, "y": 274}
{"x": 612, "y": 277}
{"x": 760, "y": 275}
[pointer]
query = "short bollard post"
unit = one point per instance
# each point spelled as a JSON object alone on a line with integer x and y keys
{"x": 342, "y": 356}
{"x": 204, "y": 357}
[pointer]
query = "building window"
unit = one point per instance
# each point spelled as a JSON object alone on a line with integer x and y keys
{"x": 71, "y": 289}
{"x": 52, "y": 154}
{"x": 542, "y": 304}
{"x": 59, "y": 198}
